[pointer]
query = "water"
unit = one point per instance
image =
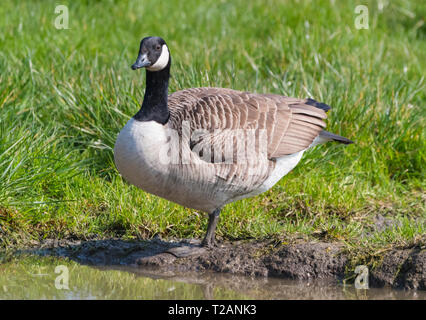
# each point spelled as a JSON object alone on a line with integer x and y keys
{"x": 33, "y": 277}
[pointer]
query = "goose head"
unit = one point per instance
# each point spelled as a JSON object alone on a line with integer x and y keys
{"x": 153, "y": 54}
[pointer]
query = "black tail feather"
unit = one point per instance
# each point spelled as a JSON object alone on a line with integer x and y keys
{"x": 319, "y": 105}
{"x": 335, "y": 137}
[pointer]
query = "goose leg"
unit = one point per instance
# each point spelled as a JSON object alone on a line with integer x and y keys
{"x": 209, "y": 239}
{"x": 208, "y": 242}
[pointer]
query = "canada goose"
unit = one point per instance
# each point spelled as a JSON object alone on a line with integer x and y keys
{"x": 205, "y": 147}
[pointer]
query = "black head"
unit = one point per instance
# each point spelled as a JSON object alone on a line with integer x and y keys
{"x": 153, "y": 54}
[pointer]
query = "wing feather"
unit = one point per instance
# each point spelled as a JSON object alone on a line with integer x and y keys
{"x": 291, "y": 124}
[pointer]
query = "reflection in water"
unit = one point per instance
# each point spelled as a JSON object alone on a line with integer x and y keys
{"x": 34, "y": 278}
{"x": 275, "y": 288}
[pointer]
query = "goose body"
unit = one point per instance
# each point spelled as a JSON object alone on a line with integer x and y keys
{"x": 206, "y": 147}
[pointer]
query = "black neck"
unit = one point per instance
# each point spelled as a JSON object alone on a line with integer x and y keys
{"x": 154, "y": 105}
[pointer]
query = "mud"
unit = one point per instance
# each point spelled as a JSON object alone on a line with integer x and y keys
{"x": 313, "y": 261}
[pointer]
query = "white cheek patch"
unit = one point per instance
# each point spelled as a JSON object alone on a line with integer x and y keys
{"x": 162, "y": 61}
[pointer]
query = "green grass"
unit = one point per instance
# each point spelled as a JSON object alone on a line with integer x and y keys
{"x": 65, "y": 95}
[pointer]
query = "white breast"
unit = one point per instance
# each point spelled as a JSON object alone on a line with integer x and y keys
{"x": 138, "y": 151}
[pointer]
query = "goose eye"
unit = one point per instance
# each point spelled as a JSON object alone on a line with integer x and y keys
{"x": 158, "y": 47}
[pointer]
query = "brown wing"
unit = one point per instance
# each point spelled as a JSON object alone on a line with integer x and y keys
{"x": 290, "y": 124}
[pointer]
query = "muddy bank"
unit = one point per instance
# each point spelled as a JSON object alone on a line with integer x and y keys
{"x": 404, "y": 268}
